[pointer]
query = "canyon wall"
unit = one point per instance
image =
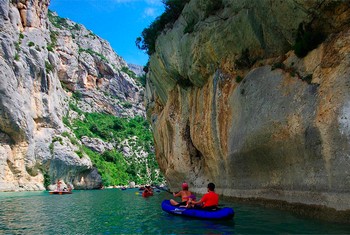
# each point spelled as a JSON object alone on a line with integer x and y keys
{"x": 46, "y": 60}
{"x": 231, "y": 103}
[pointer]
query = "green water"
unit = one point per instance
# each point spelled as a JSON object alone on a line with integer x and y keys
{"x": 113, "y": 211}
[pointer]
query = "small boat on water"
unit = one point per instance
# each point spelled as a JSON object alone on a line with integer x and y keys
{"x": 60, "y": 192}
{"x": 217, "y": 214}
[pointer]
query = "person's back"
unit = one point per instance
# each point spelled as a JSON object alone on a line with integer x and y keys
{"x": 210, "y": 199}
{"x": 184, "y": 194}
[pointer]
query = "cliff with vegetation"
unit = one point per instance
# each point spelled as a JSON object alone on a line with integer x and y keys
{"x": 254, "y": 96}
{"x": 70, "y": 107}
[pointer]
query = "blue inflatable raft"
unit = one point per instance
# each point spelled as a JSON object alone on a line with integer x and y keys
{"x": 221, "y": 213}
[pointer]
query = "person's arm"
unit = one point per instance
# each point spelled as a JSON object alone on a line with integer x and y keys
{"x": 196, "y": 202}
{"x": 177, "y": 194}
{"x": 203, "y": 199}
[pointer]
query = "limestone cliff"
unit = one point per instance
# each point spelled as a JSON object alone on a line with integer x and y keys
{"x": 281, "y": 133}
{"x": 44, "y": 62}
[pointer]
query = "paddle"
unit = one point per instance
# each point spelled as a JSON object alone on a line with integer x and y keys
{"x": 161, "y": 188}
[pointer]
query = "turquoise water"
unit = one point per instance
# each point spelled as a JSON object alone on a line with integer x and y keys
{"x": 113, "y": 211}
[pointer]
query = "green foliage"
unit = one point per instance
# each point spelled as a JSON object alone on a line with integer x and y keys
{"x": 126, "y": 105}
{"x": 244, "y": 61}
{"x": 72, "y": 139}
{"x": 118, "y": 125}
{"x": 190, "y": 26}
{"x": 146, "y": 67}
{"x": 79, "y": 153}
{"x": 212, "y": 7}
{"x": 307, "y": 78}
{"x": 65, "y": 134}
{"x": 129, "y": 72}
{"x": 18, "y": 46}
{"x": 92, "y": 53}
{"x": 47, "y": 179}
{"x": 107, "y": 127}
{"x": 278, "y": 65}
{"x": 51, "y": 147}
{"x": 239, "y": 79}
{"x": 173, "y": 9}
{"x": 57, "y": 21}
{"x": 141, "y": 79}
{"x": 76, "y": 27}
{"x": 57, "y": 138}
{"x": 112, "y": 172}
{"x": 92, "y": 35}
{"x": 16, "y": 57}
{"x": 112, "y": 166}
{"x": 66, "y": 121}
{"x": 30, "y": 44}
{"x": 50, "y": 48}
{"x": 48, "y": 66}
{"x": 53, "y": 37}
{"x": 78, "y": 96}
{"x": 184, "y": 83}
{"x": 307, "y": 39}
{"x": 74, "y": 107}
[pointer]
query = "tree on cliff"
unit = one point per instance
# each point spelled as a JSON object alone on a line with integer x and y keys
{"x": 173, "y": 9}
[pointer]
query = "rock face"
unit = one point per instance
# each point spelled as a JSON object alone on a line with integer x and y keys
{"x": 282, "y": 133}
{"x": 137, "y": 69}
{"x": 42, "y": 64}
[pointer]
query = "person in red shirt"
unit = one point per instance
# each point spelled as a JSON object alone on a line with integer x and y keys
{"x": 210, "y": 200}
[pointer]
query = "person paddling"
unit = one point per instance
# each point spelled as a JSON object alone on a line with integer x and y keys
{"x": 58, "y": 186}
{"x": 184, "y": 194}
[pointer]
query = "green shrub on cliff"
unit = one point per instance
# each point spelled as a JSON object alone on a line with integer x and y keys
{"x": 93, "y": 53}
{"x": 57, "y": 21}
{"x": 212, "y": 7}
{"x": 245, "y": 61}
{"x": 47, "y": 179}
{"x": 307, "y": 39}
{"x": 190, "y": 26}
{"x": 173, "y": 9}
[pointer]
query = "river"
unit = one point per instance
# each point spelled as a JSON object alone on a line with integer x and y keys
{"x": 113, "y": 211}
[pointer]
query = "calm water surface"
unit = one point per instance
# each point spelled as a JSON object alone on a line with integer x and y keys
{"x": 113, "y": 211}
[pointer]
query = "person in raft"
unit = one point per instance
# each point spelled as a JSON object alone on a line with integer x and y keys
{"x": 184, "y": 194}
{"x": 209, "y": 201}
{"x": 58, "y": 186}
{"x": 148, "y": 189}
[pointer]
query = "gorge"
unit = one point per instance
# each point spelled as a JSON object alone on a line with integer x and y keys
{"x": 250, "y": 95}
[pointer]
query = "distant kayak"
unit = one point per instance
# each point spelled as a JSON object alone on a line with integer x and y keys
{"x": 220, "y": 213}
{"x": 60, "y": 192}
